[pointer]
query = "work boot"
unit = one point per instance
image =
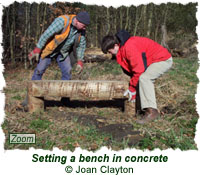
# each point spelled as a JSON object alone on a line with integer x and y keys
{"x": 150, "y": 114}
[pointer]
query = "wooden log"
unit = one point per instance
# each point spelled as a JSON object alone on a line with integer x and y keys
{"x": 78, "y": 89}
{"x": 34, "y": 103}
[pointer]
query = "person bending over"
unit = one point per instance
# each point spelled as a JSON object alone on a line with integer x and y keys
{"x": 145, "y": 60}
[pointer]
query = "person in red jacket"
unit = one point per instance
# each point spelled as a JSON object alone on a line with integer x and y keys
{"x": 145, "y": 60}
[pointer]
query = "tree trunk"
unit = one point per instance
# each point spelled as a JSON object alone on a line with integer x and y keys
{"x": 37, "y": 24}
{"x": 25, "y": 36}
{"x": 165, "y": 15}
{"x": 76, "y": 89}
{"x": 150, "y": 21}
{"x": 156, "y": 24}
{"x": 127, "y": 18}
{"x": 96, "y": 29}
{"x": 144, "y": 15}
{"x": 137, "y": 20}
{"x": 164, "y": 30}
{"x": 121, "y": 18}
{"x": 164, "y": 37}
{"x": 11, "y": 45}
{"x": 12, "y": 35}
{"x": 44, "y": 17}
{"x": 108, "y": 21}
{"x": 29, "y": 30}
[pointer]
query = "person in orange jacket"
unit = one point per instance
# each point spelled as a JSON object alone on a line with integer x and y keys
{"x": 145, "y": 60}
{"x": 64, "y": 40}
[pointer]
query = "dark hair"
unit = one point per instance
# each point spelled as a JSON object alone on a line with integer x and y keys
{"x": 108, "y": 42}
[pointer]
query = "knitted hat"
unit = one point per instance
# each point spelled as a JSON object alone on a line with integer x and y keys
{"x": 83, "y": 17}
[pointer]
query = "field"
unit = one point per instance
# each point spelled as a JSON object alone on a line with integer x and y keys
{"x": 68, "y": 124}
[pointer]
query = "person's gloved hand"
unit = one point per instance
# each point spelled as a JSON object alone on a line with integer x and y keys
{"x": 79, "y": 67}
{"x": 35, "y": 53}
{"x": 131, "y": 95}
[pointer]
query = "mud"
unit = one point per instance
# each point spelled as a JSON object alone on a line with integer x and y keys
{"x": 119, "y": 131}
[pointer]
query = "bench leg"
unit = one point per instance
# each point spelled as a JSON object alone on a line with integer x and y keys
{"x": 35, "y": 103}
{"x": 129, "y": 108}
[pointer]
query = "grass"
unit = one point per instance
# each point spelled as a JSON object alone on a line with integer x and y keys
{"x": 186, "y": 70}
{"x": 17, "y": 97}
{"x": 45, "y": 143}
{"x": 94, "y": 139}
{"x": 108, "y": 67}
{"x": 112, "y": 68}
{"x": 40, "y": 124}
{"x": 61, "y": 128}
{"x": 173, "y": 139}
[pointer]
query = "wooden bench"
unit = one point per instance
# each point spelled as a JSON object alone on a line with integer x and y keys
{"x": 78, "y": 89}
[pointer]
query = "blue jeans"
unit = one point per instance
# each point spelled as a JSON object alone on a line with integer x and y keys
{"x": 65, "y": 67}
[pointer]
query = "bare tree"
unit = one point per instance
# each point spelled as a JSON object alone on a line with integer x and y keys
{"x": 137, "y": 19}
{"x": 144, "y": 17}
{"x": 164, "y": 29}
{"x": 127, "y": 18}
{"x": 96, "y": 28}
{"x": 121, "y": 17}
{"x": 150, "y": 21}
{"x": 12, "y": 35}
{"x": 26, "y": 35}
{"x": 37, "y": 23}
{"x": 108, "y": 20}
{"x": 44, "y": 17}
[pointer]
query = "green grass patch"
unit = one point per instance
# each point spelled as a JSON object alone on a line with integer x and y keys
{"x": 17, "y": 97}
{"x": 45, "y": 143}
{"x": 177, "y": 140}
{"x": 147, "y": 143}
{"x": 40, "y": 124}
{"x": 90, "y": 136}
{"x": 184, "y": 72}
{"x": 112, "y": 67}
{"x": 105, "y": 68}
{"x": 4, "y": 125}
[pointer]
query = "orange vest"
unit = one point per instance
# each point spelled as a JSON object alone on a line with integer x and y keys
{"x": 58, "y": 38}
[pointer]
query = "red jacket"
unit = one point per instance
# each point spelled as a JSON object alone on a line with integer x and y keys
{"x": 137, "y": 53}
